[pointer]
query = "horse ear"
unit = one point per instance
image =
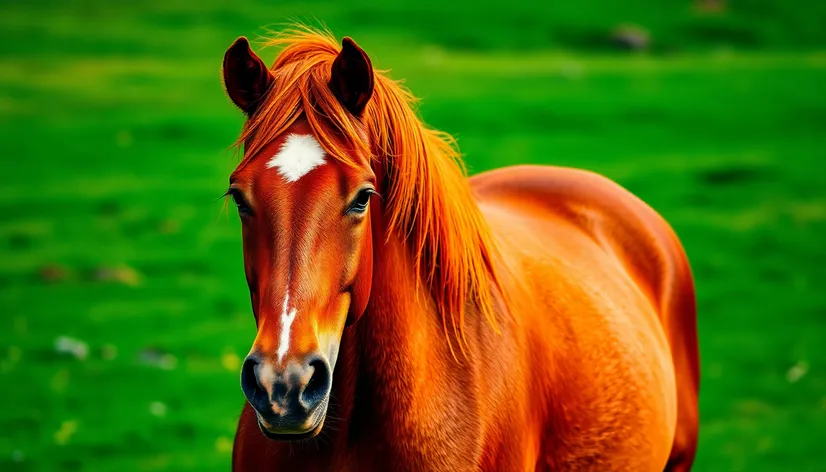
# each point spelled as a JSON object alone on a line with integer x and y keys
{"x": 351, "y": 77}
{"x": 246, "y": 77}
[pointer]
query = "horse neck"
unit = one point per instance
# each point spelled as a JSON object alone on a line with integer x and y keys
{"x": 397, "y": 342}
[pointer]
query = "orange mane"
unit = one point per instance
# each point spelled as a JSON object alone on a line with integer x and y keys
{"x": 427, "y": 195}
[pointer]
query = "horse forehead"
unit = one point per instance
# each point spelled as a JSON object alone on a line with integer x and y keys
{"x": 297, "y": 155}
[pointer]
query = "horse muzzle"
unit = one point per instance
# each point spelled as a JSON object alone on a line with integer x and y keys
{"x": 291, "y": 398}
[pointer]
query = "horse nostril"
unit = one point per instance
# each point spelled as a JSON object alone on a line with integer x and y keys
{"x": 318, "y": 386}
{"x": 249, "y": 380}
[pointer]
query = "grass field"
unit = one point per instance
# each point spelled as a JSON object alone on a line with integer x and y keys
{"x": 116, "y": 135}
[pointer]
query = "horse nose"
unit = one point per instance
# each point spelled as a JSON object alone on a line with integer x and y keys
{"x": 315, "y": 391}
{"x": 287, "y": 392}
{"x": 255, "y": 393}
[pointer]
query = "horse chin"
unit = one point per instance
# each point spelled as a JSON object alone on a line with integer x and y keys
{"x": 286, "y": 437}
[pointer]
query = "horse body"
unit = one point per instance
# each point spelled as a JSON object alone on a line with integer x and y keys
{"x": 609, "y": 306}
{"x": 584, "y": 356}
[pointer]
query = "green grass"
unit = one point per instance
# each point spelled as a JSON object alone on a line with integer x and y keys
{"x": 116, "y": 135}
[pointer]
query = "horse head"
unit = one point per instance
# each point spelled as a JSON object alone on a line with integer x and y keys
{"x": 303, "y": 197}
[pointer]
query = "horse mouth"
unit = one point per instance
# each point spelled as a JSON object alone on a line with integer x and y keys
{"x": 269, "y": 432}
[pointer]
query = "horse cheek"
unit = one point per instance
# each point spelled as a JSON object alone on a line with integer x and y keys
{"x": 363, "y": 283}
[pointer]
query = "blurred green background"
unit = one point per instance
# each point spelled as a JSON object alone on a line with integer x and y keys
{"x": 123, "y": 309}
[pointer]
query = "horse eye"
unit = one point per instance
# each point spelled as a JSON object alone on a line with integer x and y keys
{"x": 243, "y": 208}
{"x": 361, "y": 201}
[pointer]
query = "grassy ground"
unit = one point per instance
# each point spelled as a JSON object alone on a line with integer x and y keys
{"x": 115, "y": 133}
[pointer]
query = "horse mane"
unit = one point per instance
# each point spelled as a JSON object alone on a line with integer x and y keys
{"x": 427, "y": 195}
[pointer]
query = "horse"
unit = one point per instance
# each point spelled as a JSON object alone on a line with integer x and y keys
{"x": 412, "y": 318}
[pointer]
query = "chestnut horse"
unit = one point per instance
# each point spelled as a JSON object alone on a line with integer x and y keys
{"x": 410, "y": 318}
